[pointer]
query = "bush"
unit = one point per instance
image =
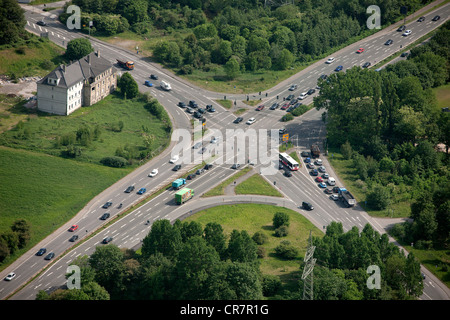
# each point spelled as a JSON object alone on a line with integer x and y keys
{"x": 270, "y": 285}
{"x": 286, "y": 251}
{"x": 259, "y": 237}
{"x": 280, "y": 219}
{"x": 114, "y": 161}
{"x": 287, "y": 117}
{"x": 379, "y": 198}
{"x": 281, "y": 231}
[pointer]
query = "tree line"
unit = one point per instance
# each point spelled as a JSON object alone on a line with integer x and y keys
{"x": 237, "y": 35}
{"x": 389, "y": 125}
{"x": 14, "y": 239}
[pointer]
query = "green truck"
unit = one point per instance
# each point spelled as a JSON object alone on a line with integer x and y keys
{"x": 183, "y": 195}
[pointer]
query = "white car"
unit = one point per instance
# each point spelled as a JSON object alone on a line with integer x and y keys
{"x": 10, "y": 276}
{"x": 330, "y": 60}
{"x": 153, "y": 173}
{"x": 174, "y": 159}
{"x": 251, "y": 121}
{"x": 331, "y": 181}
{"x": 166, "y": 86}
{"x": 303, "y": 95}
{"x": 334, "y": 197}
{"x": 407, "y": 33}
{"x": 318, "y": 162}
{"x": 214, "y": 140}
{"x": 293, "y": 87}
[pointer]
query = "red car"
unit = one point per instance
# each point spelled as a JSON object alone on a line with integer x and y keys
{"x": 73, "y": 228}
{"x": 285, "y": 106}
{"x": 360, "y": 50}
{"x": 319, "y": 179}
{"x": 260, "y": 108}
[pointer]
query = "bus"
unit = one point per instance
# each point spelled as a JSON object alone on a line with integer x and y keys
{"x": 288, "y": 161}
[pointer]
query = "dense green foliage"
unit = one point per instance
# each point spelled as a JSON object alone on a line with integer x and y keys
{"x": 12, "y": 22}
{"x": 16, "y": 238}
{"x": 244, "y": 33}
{"x": 78, "y": 48}
{"x": 388, "y": 123}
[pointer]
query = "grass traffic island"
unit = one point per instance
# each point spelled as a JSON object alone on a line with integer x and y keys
{"x": 259, "y": 218}
{"x": 220, "y": 189}
{"x": 257, "y": 185}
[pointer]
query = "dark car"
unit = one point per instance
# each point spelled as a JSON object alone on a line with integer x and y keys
{"x": 191, "y": 176}
{"x": 336, "y": 189}
{"x": 238, "y": 119}
{"x": 177, "y": 167}
{"x": 274, "y": 106}
{"x": 314, "y": 172}
{"x": 197, "y": 114}
{"x": 401, "y": 28}
{"x": 107, "y": 240}
{"x": 323, "y": 76}
{"x": 208, "y": 166}
{"x": 436, "y": 18}
{"x": 421, "y": 19}
{"x": 404, "y": 54}
{"x": 287, "y": 173}
{"x": 105, "y": 216}
{"x": 328, "y": 191}
{"x": 74, "y": 238}
{"x": 50, "y": 256}
{"x": 41, "y": 252}
{"x": 366, "y": 65}
{"x": 41, "y": 23}
{"x": 305, "y": 154}
{"x": 107, "y": 205}
{"x": 339, "y": 68}
{"x": 289, "y": 97}
{"x": 129, "y": 189}
{"x": 307, "y": 205}
{"x": 181, "y": 104}
{"x": 389, "y": 42}
{"x": 193, "y": 104}
{"x": 201, "y": 110}
{"x": 154, "y": 77}
{"x": 311, "y": 91}
{"x": 189, "y": 110}
{"x": 210, "y": 108}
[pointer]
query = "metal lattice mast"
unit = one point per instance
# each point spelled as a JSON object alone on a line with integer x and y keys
{"x": 308, "y": 276}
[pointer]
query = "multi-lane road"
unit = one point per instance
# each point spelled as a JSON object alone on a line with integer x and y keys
{"x": 34, "y": 273}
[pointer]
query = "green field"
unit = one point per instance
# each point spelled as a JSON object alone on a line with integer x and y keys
{"x": 47, "y": 191}
{"x": 257, "y": 185}
{"x": 258, "y": 217}
{"x": 220, "y": 189}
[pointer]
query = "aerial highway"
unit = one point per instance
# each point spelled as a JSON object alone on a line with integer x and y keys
{"x": 34, "y": 273}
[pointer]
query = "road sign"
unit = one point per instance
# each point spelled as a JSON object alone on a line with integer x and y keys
{"x": 286, "y": 137}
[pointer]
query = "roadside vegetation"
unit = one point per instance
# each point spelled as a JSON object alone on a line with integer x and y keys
{"x": 257, "y": 185}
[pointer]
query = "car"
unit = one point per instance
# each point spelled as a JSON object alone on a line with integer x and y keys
{"x": 181, "y": 104}
{"x": 177, "y": 167}
{"x": 334, "y": 197}
{"x": 141, "y": 191}
{"x": 318, "y": 162}
{"x": 214, "y": 140}
{"x": 310, "y": 166}
{"x": 284, "y": 106}
{"x": 202, "y": 151}
{"x": 288, "y": 173}
{"x": 407, "y": 33}
{"x": 323, "y": 77}
{"x": 311, "y": 91}
{"x": 210, "y": 108}
{"x": 50, "y": 256}
{"x": 148, "y": 83}
{"x": 193, "y": 104}
{"x": 330, "y": 60}
{"x": 73, "y": 228}
{"x": 251, "y": 121}
{"x": 360, "y": 50}
{"x": 282, "y": 131}
{"x": 322, "y": 169}
{"x": 107, "y": 240}
{"x": 107, "y": 205}
{"x": 366, "y": 65}
{"x": 389, "y": 42}
{"x": 202, "y": 111}
{"x": 73, "y": 238}
{"x": 235, "y": 166}
{"x": 325, "y": 175}
{"x": 421, "y": 19}
{"x": 10, "y": 276}
{"x": 303, "y": 95}
{"x": 238, "y": 119}
{"x": 41, "y": 23}
{"x": 105, "y": 216}
{"x": 305, "y": 154}
{"x": 319, "y": 179}
{"x": 307, "y": 160}
{"x": 274, "y": 106}
{"x": 307, "y": 206}
{"x": 191, "y": 176}
{"x": 208, "y": 166}
{"x": 200, "y": 171}
{"x": 404, "y": 54}
{"x": 41, "y": 252}
{"x": 290, "y": 97}
{"x": 339, "y": 68}
{"x": 154, "y": 77}
{"x": 331, "y": 181}
{"x": 314, "y": 172}
{"x": 280, "y": 166}
{"x": 292, "y": 87}
{"x": 260, "y": 107}
{"x": 436, "y": 18}
{"x": 129, "y": 189}
{"x": 328, "y": 191}
{"x": 174, "y": 159}
{"x": 153, "y": 173}
{"x": 189, "y": 110}
{"x": 336, "y": 189}
{"x": 322, "y": 185}
{"x": 401, "y": 28}
{"x": 197, "y": 115}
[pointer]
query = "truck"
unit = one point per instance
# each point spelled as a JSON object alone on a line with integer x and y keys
{"x": 165, "y": 86}
{"x": 129, "y": 65}
{"x": 346, "y": 197}
{"x": 315, "y": 151}
{"x": 183, "y": 195}
{"x": 177, "y": 184}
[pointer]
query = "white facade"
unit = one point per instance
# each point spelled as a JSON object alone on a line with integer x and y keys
{"x": 59, "y": 100}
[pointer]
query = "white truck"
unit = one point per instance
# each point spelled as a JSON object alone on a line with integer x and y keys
{"x": 165, "y": 86}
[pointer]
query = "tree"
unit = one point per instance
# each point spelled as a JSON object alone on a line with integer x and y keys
{"x": 12, "y": 22}
{"x": 241, "y": 247}
{"x": 78, "y": 48}
{"x": 284, "y": 60}
{"x": 22, "y": 228}
{"x": 128, "y": 86}
{"x": 163, "y": 238}
{"x": 232, "y": 68}
{"x": 346, "y": 150}
{"x": 213, "y": 234}
{"x": 279, "y": 219}
{"x": 378, "y": 198}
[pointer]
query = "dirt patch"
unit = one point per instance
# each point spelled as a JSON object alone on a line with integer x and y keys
{"x": 25, "y": 87}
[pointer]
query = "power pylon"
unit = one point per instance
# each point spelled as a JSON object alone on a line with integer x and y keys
{"x": 308, "y": 276}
